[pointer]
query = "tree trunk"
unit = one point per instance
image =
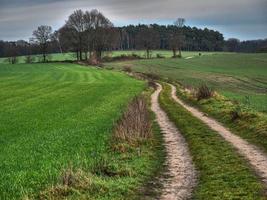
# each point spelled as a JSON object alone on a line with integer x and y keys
{"x": 147, "y": 53}
{"x": 81, "y": 55}
{"x": 174, "y": 52}
{"x": 80, "y": 47}
{"x": 44, "y": 52}
{"x": 59, "y": 45}
{"x": 86, "y": 55}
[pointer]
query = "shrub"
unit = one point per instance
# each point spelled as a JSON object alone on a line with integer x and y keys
{"x": 134, "y": 55}
{"x": 12, "y": 60}
{"x": 152, "y": 84}
{"x": 177, "y": 56}
{"x": 135, "y": 123}
{"x": 127, "y": 69}
{"x": 29, "y": 59}
{"x": 107, "y": 59}
{"x": 160, "y": 56}
{"x": 152, "y": 76}
{"x": 235, "y": 112}
{"x": 204, "y": 92}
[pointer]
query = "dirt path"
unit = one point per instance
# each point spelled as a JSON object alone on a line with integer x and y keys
{"x": 256, "y": 158}
{"x": 181, "y": 176}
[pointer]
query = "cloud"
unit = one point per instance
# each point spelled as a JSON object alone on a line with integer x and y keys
{"x": 19, "y": 17}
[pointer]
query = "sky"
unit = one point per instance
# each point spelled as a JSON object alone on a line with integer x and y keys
{"x": 242, "y": 19}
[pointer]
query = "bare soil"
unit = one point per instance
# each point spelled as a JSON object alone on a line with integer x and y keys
{"x": 181, "y": 176}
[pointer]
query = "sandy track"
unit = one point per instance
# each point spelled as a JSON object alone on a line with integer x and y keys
{"x": 256, "y": 158}
{"x": 181, "y": 176}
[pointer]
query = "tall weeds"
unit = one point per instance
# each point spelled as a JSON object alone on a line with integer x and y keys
{"x": 135, "y": 123}
{"x": 204, "y": 92}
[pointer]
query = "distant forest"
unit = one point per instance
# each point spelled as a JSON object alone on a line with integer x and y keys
{"x": 71, "y": 38}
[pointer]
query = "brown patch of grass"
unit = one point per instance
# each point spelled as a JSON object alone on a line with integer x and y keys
{"x": 204, "y": 92}
{"x": 127, "y": 69}
{"x": 135, "y": 123}
{"x": 152, "y": 84}
{"x": 152, "y": 76}
{"x": 70, "y": 182}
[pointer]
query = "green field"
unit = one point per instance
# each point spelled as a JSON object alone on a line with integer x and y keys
{"x": 58, "y": 115}
{"x": 72, "y": 56}
{"x": 238, "y": 76}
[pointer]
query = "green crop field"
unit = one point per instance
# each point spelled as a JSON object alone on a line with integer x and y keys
{"x": 55, "y": 115}
{"x": 238, "y": 76}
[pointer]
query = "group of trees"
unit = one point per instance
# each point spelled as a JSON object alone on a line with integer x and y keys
{"x": 86, "y": 33}
{"x": 90, "y": 33}
{"x": 252, "y": 46}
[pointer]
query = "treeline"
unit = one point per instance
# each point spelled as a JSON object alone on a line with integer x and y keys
{"x": 252, "y": 46}
{"x": 90, "y": 33}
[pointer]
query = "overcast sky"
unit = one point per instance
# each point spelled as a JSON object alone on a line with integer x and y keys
{"x": 243, "y": 19}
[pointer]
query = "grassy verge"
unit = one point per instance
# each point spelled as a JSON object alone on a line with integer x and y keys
{"x": 124, "y": 172}
{"x": 250, "y": 124}
{"x": 223, "y": 174}
{"x": 129, "y": 168}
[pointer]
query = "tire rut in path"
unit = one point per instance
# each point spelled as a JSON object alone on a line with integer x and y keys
{"x": 181, "y": 174}
{"x": 256, "y": 158}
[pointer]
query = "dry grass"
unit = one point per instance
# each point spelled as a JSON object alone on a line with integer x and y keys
{"x": 135, "y": 123}
{"x": 152, "y": 84}
{"x": 127, "y": 69}
{"x": 204, "y": 92}
{"x": 69, "y": 183}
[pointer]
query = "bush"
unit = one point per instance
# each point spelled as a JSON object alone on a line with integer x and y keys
{"x": 177, "y": 56}
{"x": 160, "y": 56}
{"x": 236, "y": 112}
{"x": 12, "y": 60}
{"x": 132, "y": 56}
{"x": 152, "y": 76}
{"x": 29, "y": 59}
{"x": 135, "y": 123}
{"x": 204, "y": 92}
{"x": 136, "y": 56}
{"x": 127, "y": 69}
{"x": 152, "y": 84}
{"x": 107, "y": 59}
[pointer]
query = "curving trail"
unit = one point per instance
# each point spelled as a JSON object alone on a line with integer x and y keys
{"x": 181, "y": 176}
{"x": 256, "y": 158}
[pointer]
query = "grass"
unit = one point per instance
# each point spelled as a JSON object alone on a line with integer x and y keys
{"x": 223, "y": 174}
{"x": 72, "y": 56}
{"x": 250, "y": 125}
{"x": 237, "y": 76}
{"x": 165, "y": 53}
{"x": 38, "y": 58}
{"x": 57, "y": 116}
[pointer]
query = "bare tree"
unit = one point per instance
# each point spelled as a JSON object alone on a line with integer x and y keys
{"x": 179, "y": 22}
{"x": 89, "y": 32}
{"x": 99, "y": 31}
{"x": 42, "y": 36}
{"x": 77, "y": 24}
{"x": 56, "y": 38}
{"x": 147, "y": 39}
{"x": 176, "y": 37}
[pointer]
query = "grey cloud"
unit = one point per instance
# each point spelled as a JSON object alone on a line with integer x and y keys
{"x": 24, "y": 15}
